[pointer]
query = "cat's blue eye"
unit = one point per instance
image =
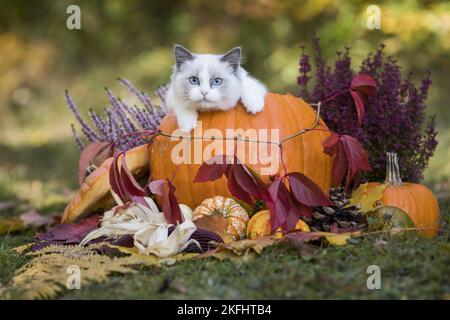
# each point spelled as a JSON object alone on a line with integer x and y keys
{"x": 194, "y": 81}
{"x": 217, "y": 82}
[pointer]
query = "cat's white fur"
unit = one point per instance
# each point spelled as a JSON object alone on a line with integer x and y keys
{"x": 186, "y": 99}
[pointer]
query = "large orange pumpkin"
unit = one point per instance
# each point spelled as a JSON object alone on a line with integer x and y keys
{"x": 284, "y": 114}
{"x": 415, "y": 199}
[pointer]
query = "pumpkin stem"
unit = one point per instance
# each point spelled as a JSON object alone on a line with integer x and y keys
{"x": 392, "y": 169}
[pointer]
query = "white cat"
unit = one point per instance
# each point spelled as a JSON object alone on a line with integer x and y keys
{"x": 203, "y": 82}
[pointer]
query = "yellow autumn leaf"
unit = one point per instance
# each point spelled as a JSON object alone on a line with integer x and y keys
{"x": 242, "y": 247}
{"x": 339, "y": 239}
{"x": 153, "y": 259}
{"x": 367, "y": 200}
{"x": 240, "y": 250}
{"x": 11, "y": 225}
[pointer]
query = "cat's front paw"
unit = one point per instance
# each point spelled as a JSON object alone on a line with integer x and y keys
{"x": 253, "y": 103}
{"x": 187, "y": 123}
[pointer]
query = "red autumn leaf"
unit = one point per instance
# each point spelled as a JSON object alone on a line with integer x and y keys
{"x": 249, "y": 182}
{"x": 115, "y": 179}
{"x": 94, "y": 153}
{"x": 157, "y": 186}
{"x": 361, "y": 87}
{"x": 285, "y": 210}
{"x": 212, "y": 169}
{"x": 304, "y": 236}
{"x": 129, "y": 183}
{"x": 306, "y": 191}
{"x": 279, "y": 206}
{"x": 349, "y": 155}
{"x": 170, "y": 205}
{"x": 364, "y": 83}
{"x": 339, "y": 165}
{"x": 123, "y": 183}
{"x": 359, "y": 103}
{"x": 330, "y": 144}
{"x": 236, "y": 189}
{"x": 71, "y": 233}
{"x": 356, "y": 156}
{"x": 333, "y": 147}
{"x": 243, "y": 183}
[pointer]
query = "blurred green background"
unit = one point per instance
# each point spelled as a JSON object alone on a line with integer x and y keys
{"x": 40, "y": 57}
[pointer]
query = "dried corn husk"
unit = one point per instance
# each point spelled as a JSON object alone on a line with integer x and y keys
{"x": 148, "y": 227}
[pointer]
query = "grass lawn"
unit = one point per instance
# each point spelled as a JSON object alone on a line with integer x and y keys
{"x": 411, "y": 268}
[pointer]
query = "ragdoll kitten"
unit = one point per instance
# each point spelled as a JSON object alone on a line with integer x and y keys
{"x": 202, "y": 82}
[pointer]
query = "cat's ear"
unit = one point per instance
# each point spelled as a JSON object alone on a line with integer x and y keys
{"x": 232, "y": 57}
{"x": 181, "y": 54}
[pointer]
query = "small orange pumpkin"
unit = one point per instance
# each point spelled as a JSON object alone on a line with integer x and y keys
{"x": 259, "y": 226}
{"x": 415, "y": 199}
{"x": 236, "y": 216}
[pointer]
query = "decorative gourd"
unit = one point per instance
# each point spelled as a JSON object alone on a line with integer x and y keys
{"x": 236, "y": 216}
{"x": 259, "y": 226}
{"x": 285, "y": 113}
{"x": 415, "y": 199}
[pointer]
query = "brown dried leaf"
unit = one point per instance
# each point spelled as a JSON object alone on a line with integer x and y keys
{"x": 243, "y": 247}
{"x": 334, "y": 239}
{"x": 215, "y": 223}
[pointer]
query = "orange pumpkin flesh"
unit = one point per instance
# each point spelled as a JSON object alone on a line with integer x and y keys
{"x": 286, "y": 113}
{"x": 415, "y": 199}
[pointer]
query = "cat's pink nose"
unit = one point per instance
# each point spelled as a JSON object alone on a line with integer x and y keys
{"x": 204, "y": 93}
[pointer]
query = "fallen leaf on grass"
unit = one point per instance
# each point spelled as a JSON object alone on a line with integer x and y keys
{"x": 242, "y": 247}
{"x": 152, "y": 259}
{"x": 34, "y": 219}
{"x": 339, "y": 239}
{"x": 11, "y": 225}
{"x": 215, "y": 223}
{"x": 240, "y": 250}
{"x": 71, "y": 233}
{"x": 334, "y": 239}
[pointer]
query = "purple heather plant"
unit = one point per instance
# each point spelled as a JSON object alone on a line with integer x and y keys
{"x": 394, "y": 118}
{"x": 120, "y": 120}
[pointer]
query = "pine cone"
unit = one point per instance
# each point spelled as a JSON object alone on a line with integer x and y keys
{"x": 337, "y": 216}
